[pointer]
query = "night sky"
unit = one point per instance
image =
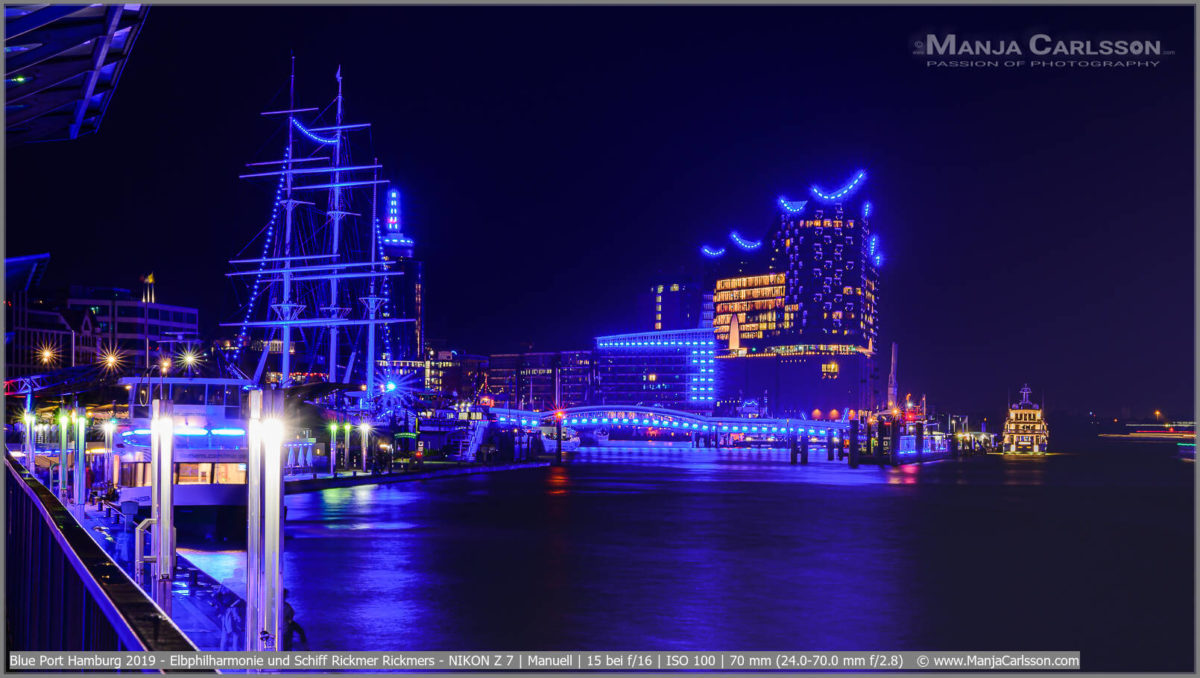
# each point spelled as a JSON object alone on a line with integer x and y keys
{"x": 1037, "y": 224}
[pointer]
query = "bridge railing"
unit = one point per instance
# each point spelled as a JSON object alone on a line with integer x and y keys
{"x": 63, "y": 591}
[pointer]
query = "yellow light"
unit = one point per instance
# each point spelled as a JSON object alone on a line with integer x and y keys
{"x": 164, "y": 365}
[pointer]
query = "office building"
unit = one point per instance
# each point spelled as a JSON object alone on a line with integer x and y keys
{"x": 673, "y": 369}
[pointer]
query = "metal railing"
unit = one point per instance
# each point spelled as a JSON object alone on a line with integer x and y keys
{"x": 63, "y": 591}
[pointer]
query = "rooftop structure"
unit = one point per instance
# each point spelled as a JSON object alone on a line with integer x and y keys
{"x": 62, "y": 64}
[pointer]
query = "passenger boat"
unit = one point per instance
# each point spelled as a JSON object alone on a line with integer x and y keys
{"x": 209, "y": 449}
{"x": 570, "y": 439}
{"x": 1025, "y": 429}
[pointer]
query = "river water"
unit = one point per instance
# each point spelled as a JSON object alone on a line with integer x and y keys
{"x": 658, "y": 547}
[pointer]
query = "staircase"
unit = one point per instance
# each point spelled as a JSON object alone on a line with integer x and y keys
{"x": 468, "y": 444}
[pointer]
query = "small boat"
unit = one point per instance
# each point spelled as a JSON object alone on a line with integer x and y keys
{"x": 570, "y": 439}
{"x": 1025, "y": 430}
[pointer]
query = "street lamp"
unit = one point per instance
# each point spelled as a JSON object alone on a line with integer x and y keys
{"x": 364, "y": 431}
{"x": 110, "y": 426}
{"x": 333, "y": 429}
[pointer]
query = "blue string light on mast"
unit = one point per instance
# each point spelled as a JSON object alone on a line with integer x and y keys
{"x": 306, "y": 132}
{"x": 262, "y": 264}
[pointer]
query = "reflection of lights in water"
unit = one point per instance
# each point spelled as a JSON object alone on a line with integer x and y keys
{"x": 557, "y": 480}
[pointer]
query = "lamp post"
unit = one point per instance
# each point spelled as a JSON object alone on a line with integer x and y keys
{"x": 110, "y": 427}
{"x": 346, "y": 430}
{"x": 264, "y": 538}
{"x": 80, "y": 483}
{"x": 364, "y": 432}
{"x": 30, "y": 457}
{"x": 62, "y": 453}
{"x": 333, "y": 428}
{"x": 558, "y": 420}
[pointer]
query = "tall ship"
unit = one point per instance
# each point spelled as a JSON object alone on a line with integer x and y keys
{"x": 1025, "y": 430}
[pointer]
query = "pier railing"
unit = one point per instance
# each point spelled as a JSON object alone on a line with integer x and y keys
{"x": 63, "y": 590}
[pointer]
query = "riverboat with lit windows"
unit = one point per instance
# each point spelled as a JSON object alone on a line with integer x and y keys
{"x": 1025, "y": 429}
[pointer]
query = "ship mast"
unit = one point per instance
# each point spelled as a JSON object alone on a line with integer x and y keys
{"x": 306, "y": 261}
{"x": 335, "y": 216}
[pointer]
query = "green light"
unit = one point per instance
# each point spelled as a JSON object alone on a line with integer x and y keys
{"x": 333, "y": 427}
{"x": 347, "y": 426}
{"x": 19, "y": 79}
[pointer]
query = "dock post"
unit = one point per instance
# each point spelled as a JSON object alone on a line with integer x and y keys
{"x": 803, "y": 449}
{"x": 828, "y": 444}
{"x": 854, "y": 444}
{"x": 346, "y": 448}
{"x": 795, "y": 449}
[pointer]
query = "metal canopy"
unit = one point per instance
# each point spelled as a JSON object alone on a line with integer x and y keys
{"x": 62, "y": 63}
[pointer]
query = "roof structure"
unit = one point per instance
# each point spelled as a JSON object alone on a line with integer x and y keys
{"x": 62, "y": 63}
{"x": 24, "y": 273}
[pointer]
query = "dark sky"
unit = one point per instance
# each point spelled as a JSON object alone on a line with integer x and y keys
{"x": 1038, "y": 224}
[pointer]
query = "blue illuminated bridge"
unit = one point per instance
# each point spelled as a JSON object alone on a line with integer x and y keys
{"x": 635, "y": 417}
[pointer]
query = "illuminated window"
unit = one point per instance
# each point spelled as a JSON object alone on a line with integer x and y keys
{"x": 651, "y": 377}
{"x": 675, "y": 288}
{"x": 829, "y": 370}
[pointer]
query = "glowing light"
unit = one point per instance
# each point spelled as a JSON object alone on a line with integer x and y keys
{"x": 164, "y": 365}
{"x": 391, "y": 386}
{"x": 742, "y": 242}
{"x": 710, "y": 252}
{"x": 109, "y": 425}
{"x": 188, "y": 358}
{"x": 112, "y": 359}
{"x": 793, "y": 206}
{"x": 47, "y": 353}
{"x": 304, "y": 130}
{"x": 843, "y": 191}
{"x": 867, "y": 209}
{"x": 364, "y": 427}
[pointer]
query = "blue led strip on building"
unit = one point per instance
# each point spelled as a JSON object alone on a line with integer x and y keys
{"x": 710, "y": 252}
{"x": 844, "y": 191}
{"x": 742, "y": 242}
{"x": 867, "y": 208}
{"x": 793, "y": 206}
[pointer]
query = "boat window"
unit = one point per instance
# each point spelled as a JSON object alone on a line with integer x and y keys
{"x": 215, "y": 396}
{"x": 187, "y": 394}
{"x": 193, "y": 473}
{"x": 230, "y": 473}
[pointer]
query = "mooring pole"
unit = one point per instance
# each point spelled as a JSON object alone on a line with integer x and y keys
{"x": 162, "y": 494}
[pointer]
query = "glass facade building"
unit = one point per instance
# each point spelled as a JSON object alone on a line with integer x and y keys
{"x": 673, "y": 369}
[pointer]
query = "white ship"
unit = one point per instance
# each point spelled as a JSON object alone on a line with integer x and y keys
{"x": 1025, "y": 430}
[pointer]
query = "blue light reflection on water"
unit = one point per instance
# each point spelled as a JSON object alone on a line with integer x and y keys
{"x": 669, "y": 547}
